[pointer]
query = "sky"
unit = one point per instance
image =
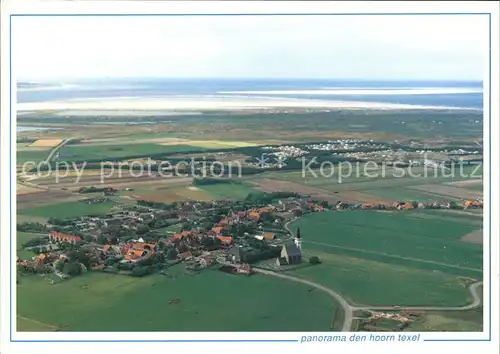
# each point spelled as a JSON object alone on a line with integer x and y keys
{"x": 338, "y": 47}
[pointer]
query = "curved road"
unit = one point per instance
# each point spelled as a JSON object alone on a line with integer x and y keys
{"x": 56, "y": 149}
{"x": 349, "y": 309}
{"x": 475, "y": 303}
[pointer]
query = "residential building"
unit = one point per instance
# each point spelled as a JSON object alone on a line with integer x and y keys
{"x": 59, "y": 237}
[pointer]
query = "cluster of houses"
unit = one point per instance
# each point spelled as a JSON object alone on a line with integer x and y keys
{"x": 406, "y": 205}
{"x": 188, "y": 246}
{"x": 199, "y": 247}
{"x": 346, "y": 144}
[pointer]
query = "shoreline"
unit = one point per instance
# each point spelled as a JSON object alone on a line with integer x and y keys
{"x": 210, "y": 103}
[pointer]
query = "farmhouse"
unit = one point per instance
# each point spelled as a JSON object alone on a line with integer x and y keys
{"x": 138, "y": 250}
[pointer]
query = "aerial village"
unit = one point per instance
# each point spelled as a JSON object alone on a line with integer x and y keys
{"x": 230, "y": 236}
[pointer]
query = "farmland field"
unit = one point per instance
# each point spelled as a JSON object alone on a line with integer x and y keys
{"x": 102, "y": 302}
{"x": 370, "y": 282}
{"x": 395, "y": 237}
{"x": 359, "y": 179}
{"x": 172, "y": 194}
{"x": 103, "y": 152}
{"x": 22, "y": 189}
{"x": 464, "y": 321}
{"x": 29, "y": 325}
{"x": 46, "y": 142}
{"x": 213, "y": 144}
{"x": 234, "y": 190}
{"x": 34, "y": 156}
{"x": 116, "y": 148}
{"x": 68, "y": 209}
{"x": 23, "y": 237}
{"x": 402, "y": 194}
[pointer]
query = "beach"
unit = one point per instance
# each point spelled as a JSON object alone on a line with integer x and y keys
{"x": 206, "y": 103}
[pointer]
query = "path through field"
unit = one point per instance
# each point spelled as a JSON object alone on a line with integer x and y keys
{"x": 349, "y": 309}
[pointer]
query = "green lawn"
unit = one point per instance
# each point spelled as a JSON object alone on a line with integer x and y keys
{"x": 209, "y": 301}
{"x": 377, "y": 283}
{"x": 69, "y": 209}
{"x": 394, "y": 237}
{"x": 234, "y": 190}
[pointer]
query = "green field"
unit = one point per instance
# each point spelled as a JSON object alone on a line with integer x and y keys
{"x": 29, "y": 325}
{"x": 233, "y": 190}
{"x": 23, "y": 237}
{"x": 402, "y": 194}
{"x": 357, "y": 179}
{"x": 69, "y": 209}
{"x": 35, "y": 156}
{"x": 103, "y": 152}
{"x": 474, "y": 187}
{"x": 209, "y": 301}
{"x": 463, "y": 321}
{"x": 377, "y": 283}
{"x": 394, "y": 237}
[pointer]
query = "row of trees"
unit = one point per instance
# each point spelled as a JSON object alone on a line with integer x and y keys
{"x": 34, "y": 227}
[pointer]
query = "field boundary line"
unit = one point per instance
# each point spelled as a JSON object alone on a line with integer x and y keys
{"x": 394, "y": 256}
{"x": 56, "y": 328}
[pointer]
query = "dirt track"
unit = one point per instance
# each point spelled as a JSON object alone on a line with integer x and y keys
{"x": 474, "y": 237}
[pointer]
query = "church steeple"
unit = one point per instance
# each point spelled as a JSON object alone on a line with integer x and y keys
{"x": 298, "y": 240}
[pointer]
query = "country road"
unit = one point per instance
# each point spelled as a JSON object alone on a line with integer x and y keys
{"x": 473, "y": 288}
{"x": 349, "y": 309}
{"x": 56, "y": 149}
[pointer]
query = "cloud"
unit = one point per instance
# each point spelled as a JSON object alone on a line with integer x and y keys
{"x": 389, "y": 47}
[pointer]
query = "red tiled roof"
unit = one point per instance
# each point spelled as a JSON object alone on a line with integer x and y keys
{"x": 142, "y": 245}
{"x": 225, "y": 239}
{"x": 268, "y": 235}
{"x": 133, "y": 254}
{"x": 176, "y": 237}
{"x": 61, "y": 236}
{"x": 217, "y": 229}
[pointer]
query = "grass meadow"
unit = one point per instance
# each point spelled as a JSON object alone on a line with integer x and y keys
{"x": 68, "y": 209}
{"x": 208, "y": 301}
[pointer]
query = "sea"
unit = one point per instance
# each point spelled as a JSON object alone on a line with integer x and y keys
{"x": 465, "y": 94}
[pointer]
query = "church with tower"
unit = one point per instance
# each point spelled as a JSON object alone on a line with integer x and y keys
{"x": 291, "y": 253}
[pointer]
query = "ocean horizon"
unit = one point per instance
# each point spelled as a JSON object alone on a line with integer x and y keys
{"x": 463, "y": 94}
